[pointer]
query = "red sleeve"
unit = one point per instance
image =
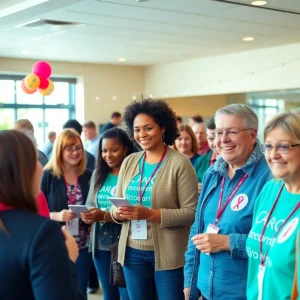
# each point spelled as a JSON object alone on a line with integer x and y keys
{"x": 43, "y": 209}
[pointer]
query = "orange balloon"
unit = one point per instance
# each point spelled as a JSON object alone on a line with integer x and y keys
{"x": 25, "y": 89}
{"x": 32, "y": 81}
{"x": 48, "y": 91}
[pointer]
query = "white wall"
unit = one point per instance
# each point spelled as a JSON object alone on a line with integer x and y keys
{"x": 257, "y": 70}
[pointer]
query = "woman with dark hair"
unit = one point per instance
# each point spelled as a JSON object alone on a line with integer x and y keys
{"x": 186, "y": 143}
{"x": 161, "y": 186}
{"x": 114, "y": 146}
{"x": 35, "y": 262}
{"x": 66, "y": 182}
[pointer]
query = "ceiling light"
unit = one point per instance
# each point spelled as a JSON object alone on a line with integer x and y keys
{"x": 259, "y": 2}
{"x": 248, "y": 38}
{"x": 122, "y": 59}
{"x": 26, "y": 52}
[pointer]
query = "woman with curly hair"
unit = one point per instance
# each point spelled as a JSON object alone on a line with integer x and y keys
{"x": 161, "y": 186}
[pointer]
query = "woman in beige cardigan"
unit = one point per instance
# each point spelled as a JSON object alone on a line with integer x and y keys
{"x": 161, "y": 186}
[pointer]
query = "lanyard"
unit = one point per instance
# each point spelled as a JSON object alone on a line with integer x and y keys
{"x": 142, "y": 192}
{"x": 72, "y": 200}
{"x": 264, "y": 256}
{"x": 240, "y": 200}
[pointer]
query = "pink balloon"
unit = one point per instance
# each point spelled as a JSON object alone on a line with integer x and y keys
{"x": 44, "y": 83}
{"x": 42, "y": 69}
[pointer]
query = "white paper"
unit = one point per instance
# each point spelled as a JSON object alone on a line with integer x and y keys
{"x": 260, "y": 278}
{"x": 212, "y": 229}
{"x": 73, "y": 226}
{"x": 139, "y": 229}
{"x": 118, "y": 202}
{"x": 77, "y": 209}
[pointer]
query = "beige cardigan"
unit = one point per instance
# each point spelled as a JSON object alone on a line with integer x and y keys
{"x": 175, "y": 193}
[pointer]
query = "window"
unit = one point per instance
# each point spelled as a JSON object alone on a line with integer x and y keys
{"x": 45, "y": 113}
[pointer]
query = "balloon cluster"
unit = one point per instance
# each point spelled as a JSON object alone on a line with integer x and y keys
{"x": 38, "y": 80}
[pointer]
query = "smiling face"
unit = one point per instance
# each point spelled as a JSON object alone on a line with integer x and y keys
{"x": 211, "y": 134}
{"x": 72, "y": 154}
{"x": 184, "y": 143}
{"x": 283, "y": 166}
{"x": 113, "y": 152}
{"x": 147, "y": 132}
{"x": 234, "y": 150}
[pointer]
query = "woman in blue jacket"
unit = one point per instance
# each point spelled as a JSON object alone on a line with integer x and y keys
{"x": 66, "y": 181}
{"x": 216, "y": 258}
{"x": 34, "y": 260}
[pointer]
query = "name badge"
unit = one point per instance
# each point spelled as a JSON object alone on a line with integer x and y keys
{"x": 73, "y": 226}
{"x": 139, "y": 229}
{"x": 260, "y": 278}
{"x": 211, "y": 228}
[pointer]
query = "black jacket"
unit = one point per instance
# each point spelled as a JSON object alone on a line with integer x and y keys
{"x": 56, "y": 193}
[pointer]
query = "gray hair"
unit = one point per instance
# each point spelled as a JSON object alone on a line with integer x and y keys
{"x": 240, "y": 110}
{"x": 288, "y": 122}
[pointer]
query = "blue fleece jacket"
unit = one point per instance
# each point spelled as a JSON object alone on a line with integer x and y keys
{"x": 223, "y": 275}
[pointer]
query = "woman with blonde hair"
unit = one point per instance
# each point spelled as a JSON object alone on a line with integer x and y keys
{"x": 66, "y": 181}
{"x": 186, "y": 143}
{"x": 271, "y": 243}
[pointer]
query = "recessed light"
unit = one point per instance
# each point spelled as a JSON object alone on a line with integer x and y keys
{"x": 122, "y": 59}
{"x": 248, "y": 38}
{"x": 259, "y": 2}
{"x": 26, "y": 52}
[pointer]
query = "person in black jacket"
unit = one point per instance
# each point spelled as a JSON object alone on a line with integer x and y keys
{"x": 115, "y": 120}
{"x": 66, "y": 181}
{"x": 35, "y": 262}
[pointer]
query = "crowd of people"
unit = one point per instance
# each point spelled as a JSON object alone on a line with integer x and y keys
{"x": 209, "y": 211}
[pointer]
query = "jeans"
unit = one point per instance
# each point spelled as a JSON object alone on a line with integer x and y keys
{"x": 102, "y": 262}
{"x": 83, "y": 265}
{"x": 139, "y": 271}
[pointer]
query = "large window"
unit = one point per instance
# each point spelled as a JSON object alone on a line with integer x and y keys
{"x": 45, "y": 113}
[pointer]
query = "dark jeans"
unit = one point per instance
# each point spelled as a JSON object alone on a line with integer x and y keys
{"x": 139, "y": 274}
{"x": 93, "y": 280}
{"x": 102, "y": 262}
{"x": 83, "y": 265}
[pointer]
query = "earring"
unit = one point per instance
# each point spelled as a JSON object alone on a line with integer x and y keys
{"x": 163, "y": 136}
{"x": 125, "y": 154}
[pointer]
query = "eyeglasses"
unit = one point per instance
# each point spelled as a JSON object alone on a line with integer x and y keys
{"x": 280, "y": 148}
{"x": 70, "y": 150}
{"x": 230, "y": 133}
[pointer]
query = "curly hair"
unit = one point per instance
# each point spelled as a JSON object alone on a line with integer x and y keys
{"x": 102, "y": 168}
{"x": 161, "y": 113}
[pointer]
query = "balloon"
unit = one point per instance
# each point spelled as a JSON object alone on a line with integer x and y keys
{"x": 48, "y": 90}
{"x": 42, "y": 69}
{"x": 44, "y": 83}
{"x": 32, "y": 81}
{"x": 25, "y": 89}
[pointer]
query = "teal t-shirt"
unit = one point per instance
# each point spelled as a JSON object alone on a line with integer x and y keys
{"x": 280, "y": 261}
{"x": 132, "y": 192}
{"x": 108, "y": 189}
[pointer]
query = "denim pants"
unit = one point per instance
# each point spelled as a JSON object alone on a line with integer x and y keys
{"x": 83, "y": 265}
{"x": 140, "y": 274}
{"x": 102, "y": 262}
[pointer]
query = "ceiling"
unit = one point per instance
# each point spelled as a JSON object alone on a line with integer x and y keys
{"x": 145, "y": 33}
